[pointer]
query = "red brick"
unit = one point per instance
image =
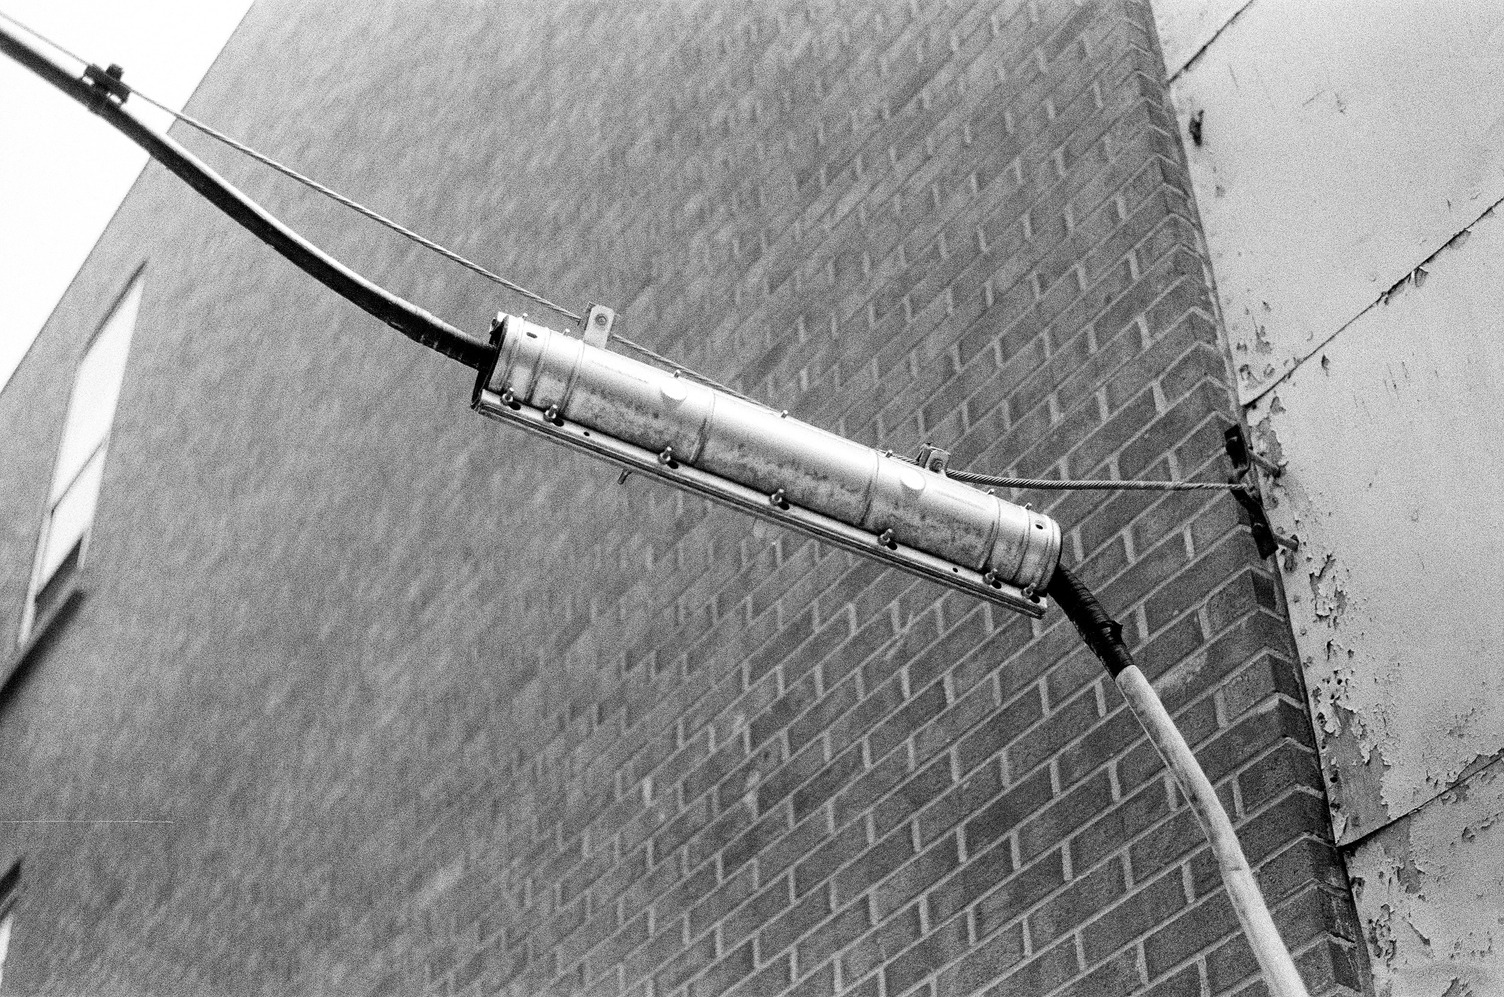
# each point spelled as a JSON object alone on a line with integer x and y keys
{"x": 934, "y": 949}
{"x": 784, "y": 930}
{"x": 834, "y": 935}
{"x": 1041, "y": 974}
{"x": 985, "y": 963}
{"x": 725, "y": 973}
{"x": 1064, "y": 816}
{"x": 1084, "y": 897}
{"x": 1198, "y": 928}
{"x": 877, "y": 862}
{"x": 1143, "y": 911}
{"x": 1007, "y": 811}
{"x": 570, "y": 650}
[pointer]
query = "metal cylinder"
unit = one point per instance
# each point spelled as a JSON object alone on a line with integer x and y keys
{"x": 687, "y": 423}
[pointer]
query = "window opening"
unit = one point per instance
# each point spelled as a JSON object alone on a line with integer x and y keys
{"x": 79, "y": 470}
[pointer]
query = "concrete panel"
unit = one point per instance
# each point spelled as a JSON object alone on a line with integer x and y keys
{"x": 1342, "y": 145}
{"x": 1394, "y": 437}
{"x": 1428, "y": 891}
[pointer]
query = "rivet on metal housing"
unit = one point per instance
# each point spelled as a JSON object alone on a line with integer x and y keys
{"x": 886, "y": 539}
{"x": 778, "y": 500}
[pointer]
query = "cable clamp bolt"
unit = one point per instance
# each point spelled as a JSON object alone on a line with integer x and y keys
{"x": 886, "y": 539}
{"x": 107, "y": 82}
{"x": 932, "y": 458}
{"x": 778, "y": 500}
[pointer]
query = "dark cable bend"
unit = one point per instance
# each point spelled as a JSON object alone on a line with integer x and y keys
{"x": 1102, "y": 633}
{"x": 402, "y": 315}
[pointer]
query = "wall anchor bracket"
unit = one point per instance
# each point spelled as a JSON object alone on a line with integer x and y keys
{"x": 1243, "y": 460}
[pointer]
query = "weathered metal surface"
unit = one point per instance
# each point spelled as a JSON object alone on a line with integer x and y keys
{"x": 1394, "y": 442}
{"x": 1338, "y": 151}
{"x": 765, "y": 463}
{"x": 1428, "y": 891}
{"x": 1394, "y": 438}
{"x": 1347, "y": 167}
{"x": 1187, "y": 26}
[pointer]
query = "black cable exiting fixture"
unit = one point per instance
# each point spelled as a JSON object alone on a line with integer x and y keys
{"x": 102, "y": 92}
{"x": 1102, "y": 633}
{"x": 1104, "y": 636}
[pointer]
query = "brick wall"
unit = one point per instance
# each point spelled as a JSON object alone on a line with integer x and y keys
{"x": 414, "y": 704}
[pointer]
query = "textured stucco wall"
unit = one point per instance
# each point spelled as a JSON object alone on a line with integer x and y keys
{"x": 411, "y": 704}
{"x": 1350, "y": 165}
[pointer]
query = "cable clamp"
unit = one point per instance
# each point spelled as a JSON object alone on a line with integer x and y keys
{"x": 596, "y": 326}
{"x": 107, "y": 82}
{"x": 932, "y": 458}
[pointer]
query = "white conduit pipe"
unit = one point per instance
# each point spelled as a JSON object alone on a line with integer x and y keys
{"x": 1280, "y": 975}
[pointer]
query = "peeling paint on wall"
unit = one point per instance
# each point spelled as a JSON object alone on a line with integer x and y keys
{"x": 1393, "y": 448}
{"x": 1340, "y": 151}
{"x": 1451, "y": 849}
{"x": 1348, "y": 174}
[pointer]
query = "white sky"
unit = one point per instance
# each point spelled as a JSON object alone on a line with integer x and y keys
{"x": 63, "y": 171}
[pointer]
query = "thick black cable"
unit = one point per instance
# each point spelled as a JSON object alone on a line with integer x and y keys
{"x": 402, "y": 315}
{"x": 381, "y": 219}
{"x": 1102, "y": 633}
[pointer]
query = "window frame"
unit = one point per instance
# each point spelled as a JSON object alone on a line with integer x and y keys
{"x": 10, "y": 893}
{"x": 48, "y": 593}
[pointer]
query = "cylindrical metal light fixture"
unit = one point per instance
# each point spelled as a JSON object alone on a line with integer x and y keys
{"x": 712, "y": 443}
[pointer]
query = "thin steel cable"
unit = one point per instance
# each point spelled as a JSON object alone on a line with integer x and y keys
{"x": 381, "y": 219}
{"x": 313, "y": 184}
{"x": 1091, "y": 484}
{"x": 430, "y": 244}
{"x": 305, "y": 180}
{"x": 970, "y": 477}
{"x": 361, "y": 209}
{"x": 43, "y": 38}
